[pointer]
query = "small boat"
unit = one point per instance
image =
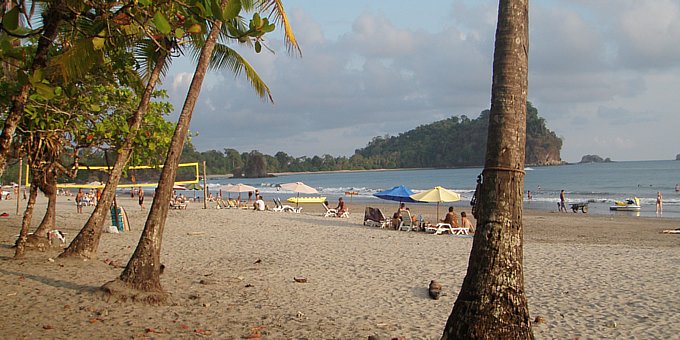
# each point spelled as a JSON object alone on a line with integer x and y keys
{"x": 631, "y": 204}
{"x": 300, "y": 200}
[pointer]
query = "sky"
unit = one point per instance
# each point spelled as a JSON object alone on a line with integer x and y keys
{"x": 604, "y": 74}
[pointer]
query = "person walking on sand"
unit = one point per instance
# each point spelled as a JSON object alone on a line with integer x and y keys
{"x": 563, "y": 206}
{"x": 659, "y": 203}
{"x": 140, "y": 194}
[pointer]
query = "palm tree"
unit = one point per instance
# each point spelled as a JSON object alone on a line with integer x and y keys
{"x": 55, "y": 14}
{"x": 492, "y": 303}
{"x": 141, "y": 278}
{"x": 85, "y": 244}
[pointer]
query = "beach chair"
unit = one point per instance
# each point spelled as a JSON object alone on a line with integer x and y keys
{"x": 178, "y": 205}
{"x": 285, "y": 207}
{"x": 330, "y": 212}
{"x": 440, "y": 228}
{"x": 373, "y": 217}
{"x": 406, "y": 221}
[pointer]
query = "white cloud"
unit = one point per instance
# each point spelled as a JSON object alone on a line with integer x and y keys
{"x": 603, "y": 74}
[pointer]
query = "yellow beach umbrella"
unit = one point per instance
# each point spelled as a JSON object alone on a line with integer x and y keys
{"x": 438, "y": 195}
{"x": 299, "y": 187}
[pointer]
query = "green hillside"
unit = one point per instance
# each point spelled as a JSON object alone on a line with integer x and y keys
{"x": 458, "y": 141}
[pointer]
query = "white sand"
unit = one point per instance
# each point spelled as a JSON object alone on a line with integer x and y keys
{"x": 230, "y": 274}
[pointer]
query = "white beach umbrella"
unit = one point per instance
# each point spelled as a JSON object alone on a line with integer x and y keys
{"x": 237, "y": 188}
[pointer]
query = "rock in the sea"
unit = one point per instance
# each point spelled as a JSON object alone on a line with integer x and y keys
{"x": 435, "y": 289}
{"x": 594, "y": 159}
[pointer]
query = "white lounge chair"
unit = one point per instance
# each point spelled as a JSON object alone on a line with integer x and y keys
{"x": 440, "y": 228}
{"x": 330, "y": 212}
{"x": 373, "y": 217}
{"x": 406, "y": 221}
{"x": 177, "y": 205}
{"x": 285, "y": 207}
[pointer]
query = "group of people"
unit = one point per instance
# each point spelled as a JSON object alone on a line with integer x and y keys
{"x": 87, "y": 198}
{"x": 563, "y": 208}
{"x": 451, "y": 218}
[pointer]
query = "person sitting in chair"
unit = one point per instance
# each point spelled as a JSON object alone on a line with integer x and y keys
{"x": 396, "y": 221}
{"x": 451, "y": 218}
{"x": 465, "y": 222}
{"x": 341, "y": 208}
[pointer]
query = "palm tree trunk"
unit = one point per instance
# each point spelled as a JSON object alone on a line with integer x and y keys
{"x": 53, "y": 19}
{"x": 20, "y": 250}
{"x": 141, "y": 278}
{"x": 85, "y": 244}
{"x": 49, "y": 220}
{"x": 492, "y": 303}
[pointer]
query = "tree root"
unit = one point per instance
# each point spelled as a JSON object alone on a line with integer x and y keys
{"x": 36, "y": 242}
{"x": 120, "y": 291}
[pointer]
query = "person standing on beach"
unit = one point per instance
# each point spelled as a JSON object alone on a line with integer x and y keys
{"x": 79, "y": 201}
{"x": 140, "y": 193}
{"x": 563, "y": 206}
{"x": 529, "y": 197}
{"x": 659, "y": 203}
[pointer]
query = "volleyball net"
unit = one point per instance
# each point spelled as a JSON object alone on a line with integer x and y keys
{"x": 134, "y": 176}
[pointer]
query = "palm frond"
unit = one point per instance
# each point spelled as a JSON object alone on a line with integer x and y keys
{"x": 77, "y": 61}
{"x": 225, "y": 57}
{"x": 147, "y": 54}
{"x": 278, "y": 14}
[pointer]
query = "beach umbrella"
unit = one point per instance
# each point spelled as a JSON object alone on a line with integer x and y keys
{"x": 194, "y": 187}
{"x": 399, "y": 193}
{"x": 298, "y": 187}
{"x": 237, "y": 188}
{"x": 178, "y": 187}
{"x": 438, "y": 195}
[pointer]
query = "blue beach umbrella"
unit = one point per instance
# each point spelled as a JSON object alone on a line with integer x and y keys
{"x": 399, "y": 193}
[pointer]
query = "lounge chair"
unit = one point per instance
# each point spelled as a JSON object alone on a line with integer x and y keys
{"x": 373, "y": 217}
{"x": 406, "y": 221}
{"x": 440, "y": 228}
{"x": 330, "y": 212}
{"x": 178, "y": 205}
{"x": 285, "y": 207}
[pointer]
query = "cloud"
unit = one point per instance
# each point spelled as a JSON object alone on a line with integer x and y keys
{"x": 600, "y": 72}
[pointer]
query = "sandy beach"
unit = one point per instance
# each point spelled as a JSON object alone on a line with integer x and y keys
{"x": 230, "y": 274}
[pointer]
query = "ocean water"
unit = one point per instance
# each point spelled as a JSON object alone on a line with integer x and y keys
{"x": 600, "y": 184}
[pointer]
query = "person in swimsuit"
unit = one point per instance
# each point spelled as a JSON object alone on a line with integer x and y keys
{"x": 140, "y": 194}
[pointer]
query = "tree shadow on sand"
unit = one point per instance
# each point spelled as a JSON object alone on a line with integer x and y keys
{"x": 53, "y": 282}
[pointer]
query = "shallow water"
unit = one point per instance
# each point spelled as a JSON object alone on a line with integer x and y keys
{"x": 600, "y": 184}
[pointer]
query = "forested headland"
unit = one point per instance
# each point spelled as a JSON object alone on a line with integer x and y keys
{"x": 453, "y": 142}
{"x": 457, "y": 141}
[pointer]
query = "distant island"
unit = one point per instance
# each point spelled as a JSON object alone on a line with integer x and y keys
{"x": 677, "y": 157}
{"x": 594, "y": 159}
